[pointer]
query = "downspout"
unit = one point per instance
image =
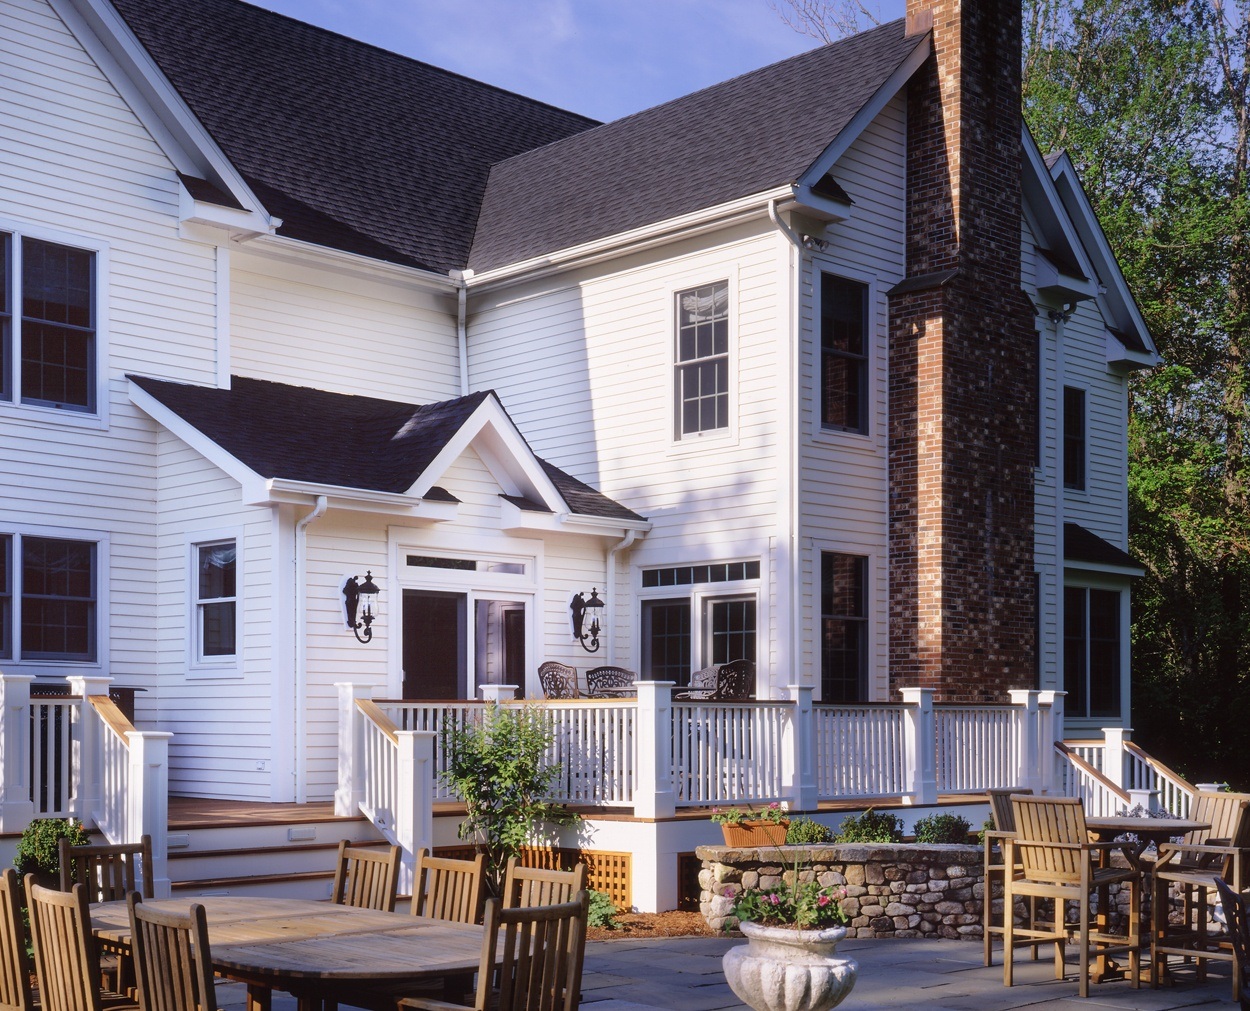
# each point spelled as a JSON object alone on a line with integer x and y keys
{"x": 1059, "y": 317}
{"x": 461, "y": 279}
{"x": 301, "y": 645}
{"x": 612, "y": 553}
{"x": 794, "y": 424}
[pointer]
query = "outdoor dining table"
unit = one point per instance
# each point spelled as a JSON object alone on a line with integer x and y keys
{"x": 299, "y": 945}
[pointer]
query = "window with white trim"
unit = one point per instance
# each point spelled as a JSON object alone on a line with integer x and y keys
{"x": 48, "y": 339}
{"x": 215, "y": 601}
{"x": 56, "y": 591}
{"x": 702, "y": 360}
{"x": 6, "y": 597}
{"x": 843, "y": 627}
{"x": 1074, "y": 438}
{"x": 1092, "y": 636}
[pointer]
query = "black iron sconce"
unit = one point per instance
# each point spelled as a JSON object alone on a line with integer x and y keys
{"x": 361, "y": 598}
{"x": 584, "y": 610}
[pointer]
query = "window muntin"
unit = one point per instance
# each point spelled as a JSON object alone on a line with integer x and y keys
{"x": 843, "y": 354}
{"x": 843, "y": 627}
{"x": 729, "y": 625}
{"x": 48, "y": 329}
{"x": 216, "y": 601}
{"x": 666, "y": 640}
{"x": 1074, "y": 438}
{"x": 702, "y": 359}
{"x": 685, "y": 575}
{"x": 1091, "y": 652}
{"x": 58, "y": 599}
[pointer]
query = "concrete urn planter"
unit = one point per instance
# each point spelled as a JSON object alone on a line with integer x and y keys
{"x": 780, "y": 969}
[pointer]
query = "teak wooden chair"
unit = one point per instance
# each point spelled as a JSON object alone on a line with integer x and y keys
{"x": 539, "y": 950}
{"x": 109, "y": 872}
{"x": 558, "y": 680}
{"x": 173, "y": 964}
{"x": 599, "y": 678}
{"x": 15, "y": 991}
{"x": 1191, "y": 866}
{"x": 1238, "y": 918}
{"x": 366, "y": 878}
{"x": 447, "y": 889}
{"x": 994, "y": 866}
{"x": 66, "y": 959}
{"x": 1057, "y": 861}
{"x": 536, "y": 886}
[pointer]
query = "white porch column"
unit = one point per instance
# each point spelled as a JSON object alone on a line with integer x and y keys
{"x": 498, "y": 693}
{"x": 1051, "y": 730}
{"x": 1030, "y": 759}
{"x": 653, "y": 787}
{"x": 16, "y": 807}
{"x": 147, "y": 807}
{"x": 920, "y": 746}
{"x": 1113, "y": 753}
{"x": 414, "y": 801}
{"x": 89, "y": 759}
{"x": 351, "y": 788}
{"x": 798, "y": 750}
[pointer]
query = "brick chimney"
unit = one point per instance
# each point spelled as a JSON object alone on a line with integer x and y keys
{"x": 963, "y": 379}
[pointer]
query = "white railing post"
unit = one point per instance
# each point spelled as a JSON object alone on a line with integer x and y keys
{"x": 498, "y": 693}
{"x": 414, "y": 801}
{"x": 89, "y": 753}
{"x": 1113, "y": 755}
{"x": 16, "y": 807}
{"x": 147, "y": 807}
{"x": 352, "y": 771}
{"x": 1029, "y": 774}
{"x": 653, "y": 790}
{"x": 798, "y": 750}
{"x": 919, "y": 746}
{"x": 1051, "y": 730}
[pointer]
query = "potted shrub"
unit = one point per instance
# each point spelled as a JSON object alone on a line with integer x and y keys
{"x": 745, "y": 827}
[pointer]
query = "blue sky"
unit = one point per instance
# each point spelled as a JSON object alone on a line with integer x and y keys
{"x": 602, "y": 58}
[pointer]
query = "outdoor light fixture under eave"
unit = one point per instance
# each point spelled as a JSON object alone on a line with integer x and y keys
{"x": 586, "y": 615}
{"x": 361, "y": 598}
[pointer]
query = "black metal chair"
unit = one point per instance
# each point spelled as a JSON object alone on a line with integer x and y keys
{"x": 558, "y": 680}
{"x": 600, "y": 678}
{"x": 702, "y": 684}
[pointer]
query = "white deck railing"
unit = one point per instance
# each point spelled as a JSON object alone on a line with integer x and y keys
{"x": 978, "y": 747}
{"x": 1143, "y": 772}
{"x": 1101, "y": 797}
{"x": 728, "y": 752}
{"x": 861, "y": 751}
{"x": 52, "y": 733}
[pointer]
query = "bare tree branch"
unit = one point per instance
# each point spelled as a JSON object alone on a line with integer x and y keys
{"x": 827, "y": 19}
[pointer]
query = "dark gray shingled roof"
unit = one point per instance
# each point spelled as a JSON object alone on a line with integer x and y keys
{"x": 1081, "y": 545}
{"x": 297, "y": 433}
{"x": 758, "y": 131}
{"x": 352, "y": 146}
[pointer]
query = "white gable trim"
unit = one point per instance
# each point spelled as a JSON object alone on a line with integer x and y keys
{"x": 157, "y": 104}
{"x": 1053, "y": 223}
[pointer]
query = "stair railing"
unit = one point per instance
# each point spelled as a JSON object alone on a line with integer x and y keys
{"x": 1102, "y": 798}
{"x": 1145, "y": 772}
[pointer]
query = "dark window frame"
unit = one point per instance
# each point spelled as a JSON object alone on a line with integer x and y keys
{"x": 852, "y": 624}
{"x": 1093, "y": 637}
{"x": 79, "y": 612}
{"x": 701, "y": 362}
{"x": 1075, "y": 426}
{"x": 844, "y": 350}
{"x": 7, "y": 631}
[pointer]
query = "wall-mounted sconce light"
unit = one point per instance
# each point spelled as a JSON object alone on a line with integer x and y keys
{"x": 361, "y": 598}
{"x": 585, "y": 611}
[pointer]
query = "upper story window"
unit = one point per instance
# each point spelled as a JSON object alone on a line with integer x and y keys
{"x": 702, "y": 360}
{"x": 1091, "y": 651}
{"x": 215, "y": 600}
{"x": 57, "y": 598}
{"x": 843, "y": 628}
{"x": 47, "y": 324}
{"x": 1073, "y": 438}
{"x": 843, "y": 354}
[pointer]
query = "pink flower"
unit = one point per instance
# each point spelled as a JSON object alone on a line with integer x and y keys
{"x": 824, "y": 900}
{"x": 729, "y": 893}
{"x": 774, "y": 806}
{"x": 775, "y": 899}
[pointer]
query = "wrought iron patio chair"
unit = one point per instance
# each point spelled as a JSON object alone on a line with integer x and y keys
{"x": 1189, "y": 867}
{"x": 1237, "y": 917}
{"x": 599, "y": 678}
{"x": 366, "y": 878}
{"x": 538, "y": 886}
{"x": 735, "y": 682}
{"x": 558, "y": 680}
{"x": 15, "y": 990}
{"x": 1058, "y": 862}
{"x": 173, "y": 963}
{"x": 702, "y": 684}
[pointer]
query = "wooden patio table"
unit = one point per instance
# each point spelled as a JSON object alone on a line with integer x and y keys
{"x": 297, "y": 945}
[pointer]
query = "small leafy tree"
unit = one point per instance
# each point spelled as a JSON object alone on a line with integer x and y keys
{"x": 870, "y": 827}
{"x": 37, "y": 850}
{"x": 495, "y": 765}
{"x": 942, "y": 828}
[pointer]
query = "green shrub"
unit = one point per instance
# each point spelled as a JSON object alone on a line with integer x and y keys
{"x": 870, "y": 827}
{"x": 942, "y": 828}
{"x": 37, "y": 851}
{"x": 602, "y": 911}
{"x": 805, "y": 832}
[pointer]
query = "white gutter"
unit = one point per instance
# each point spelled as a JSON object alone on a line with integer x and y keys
{"x": 1059, "y": 318}
{"x": 630, "y": 537}
{"x": 301, "y": 647}
{"x": 461, "y": 279}
{"x": 791, "y": 429}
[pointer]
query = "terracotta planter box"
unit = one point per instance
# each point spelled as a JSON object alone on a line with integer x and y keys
{"x": 747, "y": 834}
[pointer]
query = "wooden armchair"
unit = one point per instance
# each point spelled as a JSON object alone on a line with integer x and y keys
{"x": 15, "y": 990}
{"x": 1191, "y": 867}
{"x": 558, "y": 680}
{"x": 366, "y": 878}
{"x": 535, "y": 886}
{"x": 599, "y": 678}
{"x": 995, "y": 866}
{"x": 1238, "y": 918}
{"x": 173, "y": 964}
{"x": 66, "y": 959}
{"x": 448, "y": 889}
{"x": 108, "y": 872}
{"x": 539, "y": 952}
{"x": 1057, "y": 861}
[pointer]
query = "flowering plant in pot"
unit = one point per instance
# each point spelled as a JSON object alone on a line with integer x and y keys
{"x": 752, "y": 826}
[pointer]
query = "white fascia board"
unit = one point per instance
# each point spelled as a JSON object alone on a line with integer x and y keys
{"x": 1125, "y": 358}
{"x": 1054, "y": 225}
{"x": 600, "y": 526}
{"x": 812, "y": 203}
{"x": 354, "y": 499}
{"x": 1119, "y": 297}
{"x": 1131, "y": 571}
{"x": 135, "y": 75}
{"x": 504, "y": 452}
{"x": 233, "y": 219}
{"x": 514, "y": 519}
{"x": 308, "y": 254}
{"x": 193, "y": 437}
{"x": 869, "y": 111}
{"x": 636, "y": 240}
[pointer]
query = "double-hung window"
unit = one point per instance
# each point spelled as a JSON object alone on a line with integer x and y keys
{"x": 48, "y": 338}
{"x": 48, "y": 598}
{"x": 843, "y": 628}
{"x": 215, "y": 601}
{"x": 1091, "y": 651}
{"x": 843, "y": 354}
{"x": 1074, "y": 438}
{"x": 702, "y": 360}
